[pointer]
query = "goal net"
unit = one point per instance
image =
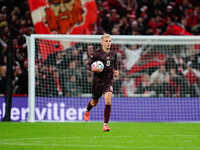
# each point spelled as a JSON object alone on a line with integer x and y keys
{"x": 159, "y": 78}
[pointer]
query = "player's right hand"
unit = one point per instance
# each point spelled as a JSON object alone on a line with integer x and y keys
{"x": 95, "y": 69}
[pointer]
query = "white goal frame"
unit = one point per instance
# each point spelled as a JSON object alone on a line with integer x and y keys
{"x": 120, "y": 39}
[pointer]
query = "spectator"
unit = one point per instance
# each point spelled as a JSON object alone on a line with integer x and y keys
{"x": 159, "y": 75}
{"x": 17, "y": 80}
{"x": 70, "y": 87}
{"x": 46, "y": 81}
{"x": 193, "y": 77}
{"x": 145, "y": 88}
{"x": 159, "y": 81}
{"x": 177, "y": 84}
{"x": 2, "y": 79}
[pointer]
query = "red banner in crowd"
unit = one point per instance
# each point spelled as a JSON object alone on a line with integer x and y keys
{"x": 148, "y": 61}
{"x": 48, "y": 47}
{"x": 63, "y": 16}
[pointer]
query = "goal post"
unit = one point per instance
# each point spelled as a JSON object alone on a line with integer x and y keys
{"x": 159, "y": 78}
{"x": 31, "y": 77}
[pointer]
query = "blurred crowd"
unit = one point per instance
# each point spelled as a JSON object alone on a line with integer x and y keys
{"x": 178, "y": 80}
{"x": 149, "y": 17}
{"x": 68, "y": 75}
{"x": 21, "y": 24}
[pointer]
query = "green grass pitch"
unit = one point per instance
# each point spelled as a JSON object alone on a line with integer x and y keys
{"x": 85, "y": 136}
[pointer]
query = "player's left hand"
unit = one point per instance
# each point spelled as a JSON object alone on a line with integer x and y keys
{"x": 116, "y": 73}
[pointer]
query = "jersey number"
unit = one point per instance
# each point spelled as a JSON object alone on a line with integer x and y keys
{"x": 108, "y": 63}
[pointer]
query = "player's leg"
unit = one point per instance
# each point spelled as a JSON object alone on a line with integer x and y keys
{"x": 92, "y": 103}
{"x": 107, "y": 110}
{"x": 96, "y": 94}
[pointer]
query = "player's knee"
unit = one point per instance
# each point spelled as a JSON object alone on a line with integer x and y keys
{"x": 108, "y": 103}
{"x": 108, "y": 97}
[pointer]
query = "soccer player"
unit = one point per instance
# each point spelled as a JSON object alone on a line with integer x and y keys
{"x": 103, "y": 80}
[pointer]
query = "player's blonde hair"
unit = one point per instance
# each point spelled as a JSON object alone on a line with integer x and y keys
{"x": 104, "y": 36}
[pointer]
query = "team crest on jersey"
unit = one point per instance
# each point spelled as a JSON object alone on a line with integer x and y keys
{"x": 63, "y": 15}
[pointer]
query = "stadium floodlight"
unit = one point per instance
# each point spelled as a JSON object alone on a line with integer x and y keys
{"x": 60, "y": 85}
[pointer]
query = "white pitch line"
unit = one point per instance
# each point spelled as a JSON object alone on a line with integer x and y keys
{"x": 41, "y": 138}
{"x": 104, "y": 146}
{"x": 95, "y": 137}
{"x": 66, "y": 145}
{"x": 106, "y": 136}
{"x": 68, "y": 137}
{"x": 183, "y": 135}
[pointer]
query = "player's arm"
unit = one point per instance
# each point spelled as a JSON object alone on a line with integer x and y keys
{"x": 115, "y": 70}
{"x": 89, "y": 65}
